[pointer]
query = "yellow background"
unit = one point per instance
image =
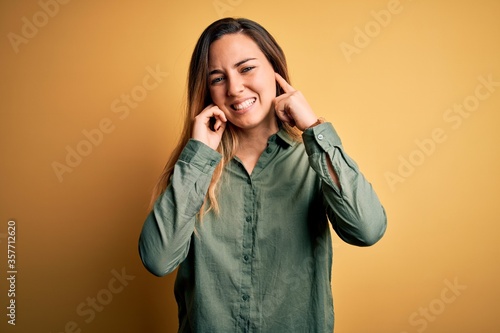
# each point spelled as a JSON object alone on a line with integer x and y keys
{"x": 392, "y": 92}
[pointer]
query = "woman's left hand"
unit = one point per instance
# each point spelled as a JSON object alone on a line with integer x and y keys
{"x": 292, "y": 107}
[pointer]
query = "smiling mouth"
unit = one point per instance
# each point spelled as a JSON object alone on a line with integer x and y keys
{"x": 244, "y": 105}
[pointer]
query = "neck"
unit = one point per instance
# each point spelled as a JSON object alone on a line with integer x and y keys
{"x": 252, "y": 142}
{"x": 255, "y": 139}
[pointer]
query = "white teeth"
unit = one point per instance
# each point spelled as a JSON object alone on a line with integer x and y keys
{"x": 244, "y": 105}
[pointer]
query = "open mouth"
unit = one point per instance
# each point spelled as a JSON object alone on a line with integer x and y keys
{"x": 243, "y": 105}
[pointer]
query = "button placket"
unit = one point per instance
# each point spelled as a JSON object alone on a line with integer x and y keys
{"x": 246, "y": 252}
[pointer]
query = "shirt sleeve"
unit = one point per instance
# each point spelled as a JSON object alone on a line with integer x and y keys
{"x": 166, "y": 233}
{"x": 354, "y": 209}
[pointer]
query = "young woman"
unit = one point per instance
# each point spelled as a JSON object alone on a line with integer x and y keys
{"x": 243, "y": 204}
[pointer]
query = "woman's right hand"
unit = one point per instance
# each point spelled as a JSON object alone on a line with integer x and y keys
{"x": 202, "y": 130}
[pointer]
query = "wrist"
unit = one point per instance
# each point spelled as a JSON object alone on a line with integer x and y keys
{"x": 320, "y": 120}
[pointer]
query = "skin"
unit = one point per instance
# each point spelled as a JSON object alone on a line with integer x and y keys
{"x": 239, "y": 72}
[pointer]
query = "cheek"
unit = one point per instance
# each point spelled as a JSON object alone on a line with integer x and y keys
{"x": 217, "y": 95}
{"x": 267, "y": 88}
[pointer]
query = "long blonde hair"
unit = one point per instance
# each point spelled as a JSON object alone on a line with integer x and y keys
{"x": 198, "y": 97}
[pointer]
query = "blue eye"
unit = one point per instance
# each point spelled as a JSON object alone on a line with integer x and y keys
{"x": 247, "y": 69}
{"x": 217, "y": 80}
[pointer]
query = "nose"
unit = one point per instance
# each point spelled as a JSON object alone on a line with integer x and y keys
{"x": 235, "y": 85}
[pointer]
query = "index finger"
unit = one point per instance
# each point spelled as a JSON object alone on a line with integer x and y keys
{"x": 287, "y": 88}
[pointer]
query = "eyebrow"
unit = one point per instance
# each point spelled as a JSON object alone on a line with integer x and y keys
{"x": 239, "y": 63}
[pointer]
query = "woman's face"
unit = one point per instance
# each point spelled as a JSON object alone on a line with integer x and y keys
{"x": 242, "y": 82}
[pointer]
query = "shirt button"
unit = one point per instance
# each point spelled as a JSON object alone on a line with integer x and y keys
{"x": 212, "y": 163}
{"x": 320, "y": 137}
{"x": 269, "y": 150}
{"x": 246, "y": 257}
{"x": 245, "y": 297}
{"x": 249, "y": 181}
{"x": 248, "y": 218}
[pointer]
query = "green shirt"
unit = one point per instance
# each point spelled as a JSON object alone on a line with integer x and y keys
{"x": 264, "y": 263}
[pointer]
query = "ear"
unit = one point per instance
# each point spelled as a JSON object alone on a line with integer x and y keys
{"x": 279, "y": 90}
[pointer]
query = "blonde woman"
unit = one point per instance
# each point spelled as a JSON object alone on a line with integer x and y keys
{"x": 243, "y": 204}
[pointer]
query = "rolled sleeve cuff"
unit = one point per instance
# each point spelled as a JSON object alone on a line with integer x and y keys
{"x": 320, "y": 138}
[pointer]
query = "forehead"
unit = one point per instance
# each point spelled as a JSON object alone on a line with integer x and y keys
{"x": 231, "y": 48}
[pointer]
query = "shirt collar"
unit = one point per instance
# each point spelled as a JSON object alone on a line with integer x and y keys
{"x": 283, "y": 138}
